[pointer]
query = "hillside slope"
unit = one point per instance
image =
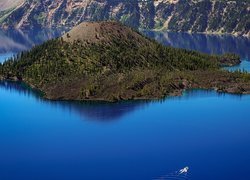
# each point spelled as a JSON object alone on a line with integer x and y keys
{"x": 8, "y": 7}
{"x": 7, "y": 4}
{"x": 209, "y": 16}
{"x": 109, "y": 61}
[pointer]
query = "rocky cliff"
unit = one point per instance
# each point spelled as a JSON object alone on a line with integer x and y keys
{"x": 6, "y": 4}
{"x": 209, "y": 16}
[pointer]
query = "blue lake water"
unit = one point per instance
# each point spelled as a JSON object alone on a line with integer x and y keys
{"x": 204, "y": 130}
{"x": 244, "y": 66}
{"x": 5, "y": 56}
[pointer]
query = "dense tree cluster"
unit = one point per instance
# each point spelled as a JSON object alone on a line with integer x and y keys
{"x": 57, "y": 59}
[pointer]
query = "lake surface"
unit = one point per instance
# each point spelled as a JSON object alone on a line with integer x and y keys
{"x": 204, "y": 130}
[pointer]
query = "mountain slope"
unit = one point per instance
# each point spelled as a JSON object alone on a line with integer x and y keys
{"x": 7, "y": 4}
{"x": 8, "y": 7}
{"x": 109, "y": 61}
{"x": 209, "y": 16}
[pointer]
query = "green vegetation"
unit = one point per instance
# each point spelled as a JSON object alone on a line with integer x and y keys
{"x": 121, "y": 68}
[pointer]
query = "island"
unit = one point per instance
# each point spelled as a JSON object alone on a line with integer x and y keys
{"x": 108, "y": 61}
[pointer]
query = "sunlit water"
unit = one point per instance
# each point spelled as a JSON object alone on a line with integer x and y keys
{"x": 203, "y": 130}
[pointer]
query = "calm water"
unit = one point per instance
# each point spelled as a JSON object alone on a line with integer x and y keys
{"x": 204, "y": 130}
{"x": 210, "y": 44}
{"x": 13, "y": 42}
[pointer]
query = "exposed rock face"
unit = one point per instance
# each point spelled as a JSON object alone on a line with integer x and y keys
{"x": 209, "y": 16}
{"x": 7, "y": 4}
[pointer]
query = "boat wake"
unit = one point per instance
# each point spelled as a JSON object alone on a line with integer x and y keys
{"x": 182, "y": 174}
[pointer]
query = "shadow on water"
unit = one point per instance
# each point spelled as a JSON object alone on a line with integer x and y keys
{"x": 101, "y": 111}
{"x": 104, "y": 111}
{"x": 20, "y": 88}
{"x": 211, "y": 44}
{"x": 96, "y": 111}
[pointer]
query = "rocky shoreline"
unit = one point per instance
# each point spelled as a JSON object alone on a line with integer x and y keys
{"x": 220, "y": 81}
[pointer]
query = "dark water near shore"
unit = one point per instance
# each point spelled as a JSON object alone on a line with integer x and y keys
{"x": 204, "y": 130}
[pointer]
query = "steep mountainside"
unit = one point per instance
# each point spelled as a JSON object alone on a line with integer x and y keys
{"x": 109, "y": 61}
{"x": 210, "y": 16}
{"x": 7, "y": 4}
{"x": 7, "y": 7}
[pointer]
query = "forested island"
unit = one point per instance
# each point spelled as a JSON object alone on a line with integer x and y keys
{"x": 108, "y": 61}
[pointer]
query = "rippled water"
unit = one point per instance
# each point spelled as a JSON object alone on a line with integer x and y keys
{"x": 203, "y": 130}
